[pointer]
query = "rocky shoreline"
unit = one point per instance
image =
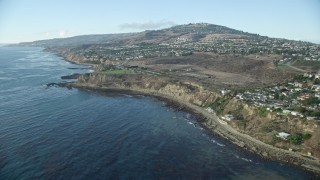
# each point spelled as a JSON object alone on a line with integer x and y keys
{"x": 207, "y": 120}
{"x": 211, "y": 122}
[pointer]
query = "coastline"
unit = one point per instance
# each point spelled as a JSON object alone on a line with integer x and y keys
{"x": 211, "y": 123}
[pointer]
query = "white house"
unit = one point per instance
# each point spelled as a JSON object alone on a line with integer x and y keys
{"x": 228, "y": 117}
{"x": 294, "y": 113}
{"x": 225, "y": 92}
{"x": 297, "y": 84}
{"x": 283, "y": 135}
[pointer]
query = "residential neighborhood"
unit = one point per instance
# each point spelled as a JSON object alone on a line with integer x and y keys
{"x": 299, "y": 97}
{"x": 198, "y": 41}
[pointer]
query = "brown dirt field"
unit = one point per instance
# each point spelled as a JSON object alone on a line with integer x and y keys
{"x": 221, "y": 70}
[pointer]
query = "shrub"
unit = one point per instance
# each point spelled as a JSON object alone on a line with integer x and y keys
{"x": 317, "y": 81}
{"x": 218, "y": 105}
{"x": 312, "y": 100}
{"x": 315, "y": 113}
{"x": 241, "y": 124}
{"x": 307, "y": 136}
{"x": 238, "y": 116}
{"x": 263, "y": 112}
{"x": 295, "y": 139}
{"x": 300, "y": 78}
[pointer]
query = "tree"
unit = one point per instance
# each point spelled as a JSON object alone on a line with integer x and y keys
{"x": 317, "y": 81}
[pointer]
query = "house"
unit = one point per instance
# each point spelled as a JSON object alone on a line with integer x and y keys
{"x": 210, "y": 110}
{"x": 311, "y": 118}
{"x": 294, "y": 113}
{"x": 283, "y": 135}
{"x": 316, "y": 87}
{"x": 297, "y": 84}
{"x": 306, "y": 75}
{"x": 303, "y": 97}
{"x": 225, "y": 92}
{"x": 239, "y": 96}
{"x": 297, "y": 89}
{"x": 228, "y": 117}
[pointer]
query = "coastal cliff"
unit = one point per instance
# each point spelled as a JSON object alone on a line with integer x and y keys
{"x": 184, "y": 91}
{"x": 69, "y": 55}
{"x": 74, "y": 56}
{"x": 253, "y": 128}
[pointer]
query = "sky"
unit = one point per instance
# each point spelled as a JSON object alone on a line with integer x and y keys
{"x": 29, "y": 20}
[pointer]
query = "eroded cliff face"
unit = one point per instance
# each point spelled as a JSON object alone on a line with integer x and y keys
{"x": 69, "y": 54}
{"x": 184, "y": 91}
{"x": 79, "y": 57}
{"x": 249, "y": 119}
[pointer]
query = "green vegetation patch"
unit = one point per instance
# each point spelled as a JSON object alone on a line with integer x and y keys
{"x": 242, "y": 124}
{"x": 117, "y": 71}
{"x": 278, "y": 65}
{"x": 300, "y": 77}
{"x": 307, "y": 112}
{"x": 263, "y": 112}
{"x": 310, "y": 101}
{"x": 307, "y": 136}
{"x": 298, "y": 138}
{"x": 295, "y": 139}
{"x": 306, "y": 63}
{"x": 218, "y": 105}
{"x": 316, "y": 81}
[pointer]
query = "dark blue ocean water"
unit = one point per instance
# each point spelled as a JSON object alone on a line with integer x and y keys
{"x": 55, "y": 133}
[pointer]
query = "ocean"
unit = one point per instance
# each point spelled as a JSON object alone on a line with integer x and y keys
{"x": 57, "y": 133}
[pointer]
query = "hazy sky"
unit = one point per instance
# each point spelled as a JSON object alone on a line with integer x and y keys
{"x": 27, "y": 20}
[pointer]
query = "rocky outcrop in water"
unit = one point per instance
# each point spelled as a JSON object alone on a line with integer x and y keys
{"x": 72, "y": 76}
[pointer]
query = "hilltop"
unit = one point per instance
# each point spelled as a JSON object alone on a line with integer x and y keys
{"x": 194, "y": 32}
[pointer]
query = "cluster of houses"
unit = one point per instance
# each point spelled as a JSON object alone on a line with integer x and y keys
{"x": 286, "y": 99}
{"x": 183, "y": 46}
{"x": 290, "y": 50}
{"x": 125, "y": 53}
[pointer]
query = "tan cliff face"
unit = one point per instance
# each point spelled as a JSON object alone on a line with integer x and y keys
{"x": 187, "y": 91}
{"x": 69, "y": 55}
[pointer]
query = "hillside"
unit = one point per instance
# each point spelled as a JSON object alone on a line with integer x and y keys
{"x": 212, "y": 54}
{"x": 195, "y": 31}
{"x": 75, "y": 41}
